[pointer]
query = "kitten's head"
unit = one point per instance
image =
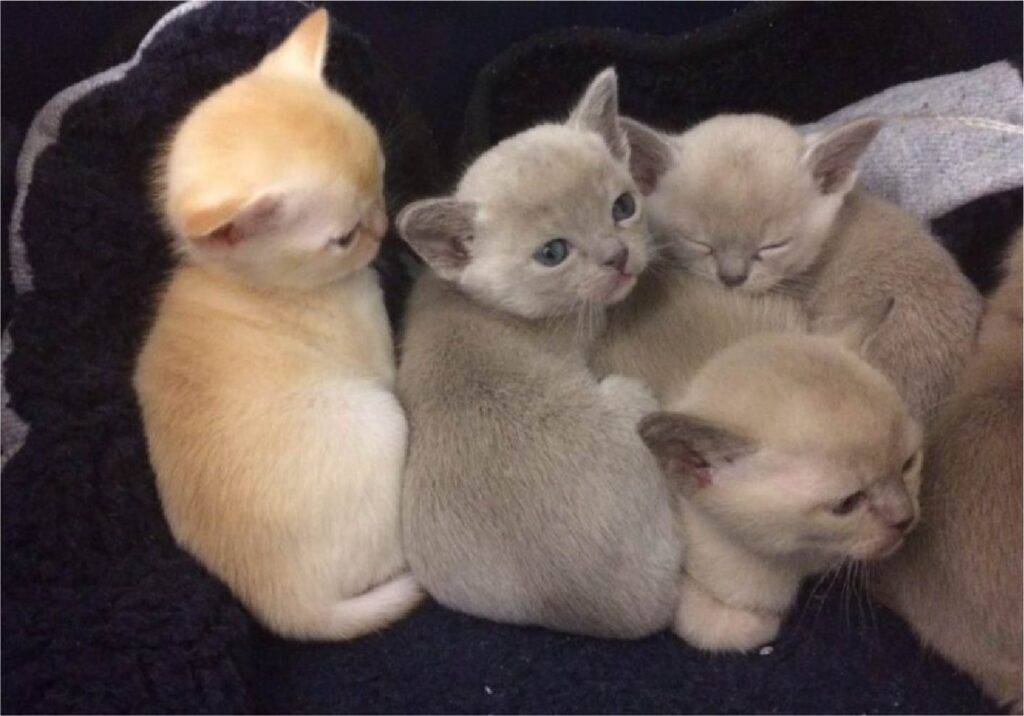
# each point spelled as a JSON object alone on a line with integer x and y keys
{"x": 547, "y": 221}
{"x": 796, "y": 447}
{"x": 275, "y": 177}
{"x": 745, "y": 200}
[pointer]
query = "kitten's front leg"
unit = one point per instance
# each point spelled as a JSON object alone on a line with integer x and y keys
{"x": 706, "y": 623}
{"x": 629, "y": 395}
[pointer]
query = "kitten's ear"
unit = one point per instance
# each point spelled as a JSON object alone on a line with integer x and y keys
{"x": 857, "y": 333}
{"x": 650, "y": 154}
{"x": 691, "y": 449}
{"x": 303, "y": 52}
{"x": 833, "y": 157}
{"x": 439, "y": 230}
{"x": 232, "y": 221}
{"x": 598, "y": 111}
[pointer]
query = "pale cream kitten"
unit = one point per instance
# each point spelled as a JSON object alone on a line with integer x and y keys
{"x": 958, "y": 581}
{"x": 266, "y": 381}
{"x": 747, "y": 202}
{"x": 791, "y": 455}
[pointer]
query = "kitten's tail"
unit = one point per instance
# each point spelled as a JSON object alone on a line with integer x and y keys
{"x": 374, "y": 609}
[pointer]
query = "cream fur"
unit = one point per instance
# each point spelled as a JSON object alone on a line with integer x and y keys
{"x": 793, "y": 425}
{"x": 266, "y": 381}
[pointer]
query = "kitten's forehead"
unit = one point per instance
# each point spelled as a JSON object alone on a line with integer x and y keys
{"x": 806, "y": 395}
{"x": 737, "y": 172}
{"x": 544, "y": 167}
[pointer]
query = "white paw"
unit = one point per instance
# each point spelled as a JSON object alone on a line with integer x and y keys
{"x": 704, "y": 622}
{"x": 630, "y": 394}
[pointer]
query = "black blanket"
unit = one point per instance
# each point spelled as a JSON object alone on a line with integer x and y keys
{"x": 102, "y": 612}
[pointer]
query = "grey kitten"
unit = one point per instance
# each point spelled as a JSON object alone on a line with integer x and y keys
{"x": 529, "y": 496}
{"x": 747, "y": 202}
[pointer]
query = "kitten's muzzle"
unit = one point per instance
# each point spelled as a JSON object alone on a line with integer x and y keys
{"x": 618, "y": 260}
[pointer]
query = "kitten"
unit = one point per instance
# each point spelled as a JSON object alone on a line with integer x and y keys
{"x": 791, "y": 455}
{"x": 266, "y": 381}
{"x": 958, "y": 581}
{"x": 673, "y": 323}
{"x": 747, "y": 202}
{"x": 529, "y": 497}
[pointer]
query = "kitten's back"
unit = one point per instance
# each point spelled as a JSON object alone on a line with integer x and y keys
{"x": 958, "y": 581}
{"x": 877, "y": 250}
{"x": 564, "y": 519}
{"x": 674, "y": 322}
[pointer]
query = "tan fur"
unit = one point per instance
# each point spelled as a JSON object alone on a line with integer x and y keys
{"x": 265, "y": 383}
{"x": 769, "y": 435}
{"x": 674, "y": 322}
{"x": 958, "y": 581}
{"x": 747, "y": 202}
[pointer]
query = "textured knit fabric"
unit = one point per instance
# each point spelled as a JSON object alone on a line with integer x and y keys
{"x": 938, "y": 151}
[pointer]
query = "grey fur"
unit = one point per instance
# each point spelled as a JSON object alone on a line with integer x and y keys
{"x": 529, "y": 496}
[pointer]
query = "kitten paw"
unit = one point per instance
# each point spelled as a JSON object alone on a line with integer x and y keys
{"x": 629, "y": 394}
{"x": 706, "y": 623}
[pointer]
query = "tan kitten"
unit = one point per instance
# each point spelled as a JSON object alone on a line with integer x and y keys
{"x": 958, "y": 581}
{"x": 792, "y": 455}
{"x": 265, "y": 383}
{"x": 747, "y": 202}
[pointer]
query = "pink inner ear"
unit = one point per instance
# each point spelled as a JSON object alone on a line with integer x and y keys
{"x": 689, "y": 464}
{"x": 227, "y": 235}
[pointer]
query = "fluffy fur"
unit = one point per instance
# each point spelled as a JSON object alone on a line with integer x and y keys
{"x": 529, "y": 498}
{"x": 958, "y": 581}
{"x": 673, "y": 323}
{"x": 265, "y": 383}
{"x": 745, "y": 201}
{"x": 769, "y": 442}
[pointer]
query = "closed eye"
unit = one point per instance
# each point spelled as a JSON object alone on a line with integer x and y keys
{"x": 699, "y": 244}
{"x": 773, "y": 247}
{"x": 344, "y": 240}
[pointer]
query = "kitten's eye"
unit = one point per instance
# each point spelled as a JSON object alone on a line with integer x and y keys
{"x": 849, "y": 504}
{"x": 768, "y": 248}
{"x": 345, "y": 239}
{"x": 552, "y": 253}
{"x": 706, "y": 248}
{"x": 624, "y": 207}
{"x": 909, "y": 463}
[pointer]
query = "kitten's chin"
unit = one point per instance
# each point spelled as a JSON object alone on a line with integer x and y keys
{"x": 620, "y": 287}
{"x": 880, "y": 548}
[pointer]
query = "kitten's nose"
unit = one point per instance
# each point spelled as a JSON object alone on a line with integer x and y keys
{"x": 732, "y": 280}
{"x": 618, "y": 261}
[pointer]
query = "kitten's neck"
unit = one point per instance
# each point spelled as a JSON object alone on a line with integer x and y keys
{"x": 732, "y": 573}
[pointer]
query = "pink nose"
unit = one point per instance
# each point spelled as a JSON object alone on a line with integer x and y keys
{"x": 618, "y": 261}
{"x": 376, "y": 221}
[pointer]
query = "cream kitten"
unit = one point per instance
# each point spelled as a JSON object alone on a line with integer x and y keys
{"x": 529, "y": 497}
{"x": 265, "y": 383}
{"x": 745, "y": 201}
{"x": 958, "y": 581}
{"x": 792, "y": 455}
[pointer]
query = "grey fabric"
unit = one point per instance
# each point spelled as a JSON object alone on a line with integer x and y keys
{"x": 948, "y": 140}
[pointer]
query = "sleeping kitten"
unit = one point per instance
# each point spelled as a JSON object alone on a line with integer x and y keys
{"x": 265, "y": 383}
{"x": 791, "y": 455}
{"x": 958, "y": 581}
{"x": 745, "y": 201}
{"x": 529, "y": 497}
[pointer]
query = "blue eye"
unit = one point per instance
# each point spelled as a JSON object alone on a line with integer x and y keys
{"x": 624, "y": 207}
{"x": 553, "y": 252}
